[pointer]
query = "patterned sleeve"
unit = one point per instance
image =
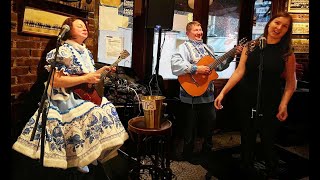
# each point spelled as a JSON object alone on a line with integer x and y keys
{"x": 92, "y": 60}
{"x": 63, "y": 61}
{"x": 180, "y": 61}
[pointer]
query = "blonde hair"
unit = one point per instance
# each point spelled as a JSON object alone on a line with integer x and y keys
{"x": 192, "y": 23}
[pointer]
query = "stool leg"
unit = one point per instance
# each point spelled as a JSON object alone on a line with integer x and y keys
{"x": 167, "y": 171}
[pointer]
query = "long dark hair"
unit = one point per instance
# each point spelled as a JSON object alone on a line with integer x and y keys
{"x": 69, "y": 22}
{"x": 285, "y": 42}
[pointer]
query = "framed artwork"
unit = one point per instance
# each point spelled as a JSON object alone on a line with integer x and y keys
{"x": 300, "y": 28}
{"x": 300, "y": 17}
{"x": 298, "y": 6}
{"x": 36, "y": 21}
{"x": 300, "y": 45}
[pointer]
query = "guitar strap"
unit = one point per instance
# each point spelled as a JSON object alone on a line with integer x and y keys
{"x": 210, "y": 52}
{"x": 197, "y": 52}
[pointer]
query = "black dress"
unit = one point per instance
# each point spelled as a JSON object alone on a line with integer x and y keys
{"x": 271, "y": 93}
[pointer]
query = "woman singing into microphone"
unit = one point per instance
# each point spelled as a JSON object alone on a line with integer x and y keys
{"x": 278, "y": 65}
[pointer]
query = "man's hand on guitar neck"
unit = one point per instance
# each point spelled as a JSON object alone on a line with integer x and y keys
{"x": 239, "y": 49}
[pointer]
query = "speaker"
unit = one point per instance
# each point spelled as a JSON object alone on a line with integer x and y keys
{"x": 160, "y": 12}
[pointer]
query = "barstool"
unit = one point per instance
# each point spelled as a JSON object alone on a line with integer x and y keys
{"x": 152, "y": 144}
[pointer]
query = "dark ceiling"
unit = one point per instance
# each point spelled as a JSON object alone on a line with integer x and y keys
{"x": 217, "y": 8}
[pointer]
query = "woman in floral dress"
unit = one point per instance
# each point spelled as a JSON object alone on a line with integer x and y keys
{"x": 78, "y": 132}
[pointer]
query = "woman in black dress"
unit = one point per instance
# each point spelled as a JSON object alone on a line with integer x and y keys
{"x": 278, "y": 64}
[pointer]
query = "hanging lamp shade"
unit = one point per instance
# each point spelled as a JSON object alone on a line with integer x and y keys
{"x": 191, "y": 3}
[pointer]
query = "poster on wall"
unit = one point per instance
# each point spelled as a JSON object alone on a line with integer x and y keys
{"x": 36, "y": 21}
{"x": 114, "y": 46}
{"x": 115, "y": 30}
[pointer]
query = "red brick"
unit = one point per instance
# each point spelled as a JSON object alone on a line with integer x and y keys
{"x": 13, "y": 80}
{"x": 27, "y": 61}
{"x": 15, "y": 71}
{"x": 29, "y": 78}
{"x": 14, "y": 17}
{"x": 17, "y": 37}
{"x": 45, "y": 43}
{"x": 91, "y": 15}
{"x": 28, "y": 44}
{"x": 13, "y": 44}
{"x": 20, "y": 52}
{"x": 16, "y": 89}
{"x": 36, "y": 53}
{"x": 33, "y": 69}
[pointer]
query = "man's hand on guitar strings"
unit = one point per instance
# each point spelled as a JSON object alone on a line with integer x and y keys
{"x": 203, "y": 70}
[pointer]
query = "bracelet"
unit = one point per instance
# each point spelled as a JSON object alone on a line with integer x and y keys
{"x": 193, "y": 69}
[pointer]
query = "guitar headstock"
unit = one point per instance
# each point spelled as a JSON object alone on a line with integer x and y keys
{"x": 124, "y": 54}
{"x": 253, "y": 44}
{"x": 242, "y": 41}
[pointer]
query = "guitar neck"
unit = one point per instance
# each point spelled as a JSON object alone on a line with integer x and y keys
{"x": 116, "y": 62}
{"x": 103, "y": 74}
{"x": 124, "y": 54}
{"x": 222, "y": 58}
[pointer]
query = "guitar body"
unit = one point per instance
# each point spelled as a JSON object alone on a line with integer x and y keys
{"x": 95, "y": 92}
{"x": 197, "y": 84}
{"x": 88, "y": 92}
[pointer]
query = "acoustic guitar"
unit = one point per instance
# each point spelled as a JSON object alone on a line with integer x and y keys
{"x": 95, "y": 92}
{"x": 197, "y": 84}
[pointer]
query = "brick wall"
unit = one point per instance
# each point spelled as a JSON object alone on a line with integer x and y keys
{"x": 27, "y": 50}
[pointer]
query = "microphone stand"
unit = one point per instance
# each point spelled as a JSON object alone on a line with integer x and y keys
{"x": 159, "y": 48}
{"x": 257, "y": 110}
{"x": 157, "y": 77}
{"x": 43, "y": 107}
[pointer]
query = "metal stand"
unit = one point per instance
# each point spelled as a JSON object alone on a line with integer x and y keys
{"x": 256, "y": 111}
{"x": 158, "y": 79}
{"x": 159, "y": 48}
{"x": 43, "y": 107}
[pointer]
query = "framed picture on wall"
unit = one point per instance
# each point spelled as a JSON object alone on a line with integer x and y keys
{"x": 298, "y": 6}
{"x": 299, "y": 17}
{"x": 36, "y": 21}
{"x": 300, "y": 28}
{"x": 300, "y": 45}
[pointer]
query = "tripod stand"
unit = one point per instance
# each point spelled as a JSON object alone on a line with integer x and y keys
{"x": 44, "y": 106}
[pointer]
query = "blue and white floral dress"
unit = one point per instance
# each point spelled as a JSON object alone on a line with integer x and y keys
{"x": 78, "y": 132}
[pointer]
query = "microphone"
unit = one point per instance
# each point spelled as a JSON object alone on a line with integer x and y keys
{"x": 65, "y": 28}
{"x": 262, "y": 42}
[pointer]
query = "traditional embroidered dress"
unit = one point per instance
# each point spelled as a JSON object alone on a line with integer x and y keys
{"x": 77, "y": 131}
